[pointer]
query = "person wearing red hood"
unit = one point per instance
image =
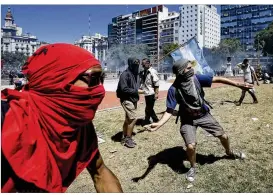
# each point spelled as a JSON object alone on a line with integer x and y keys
{"x": 48, "y": 137}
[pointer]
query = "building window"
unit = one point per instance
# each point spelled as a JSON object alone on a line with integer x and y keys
{"x": 176, "y": 24}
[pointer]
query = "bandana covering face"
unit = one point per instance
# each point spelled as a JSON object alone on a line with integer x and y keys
{"x": 185, "y": 82}
{"x": 46, "y": 136}
{"x": 133, "y": 66}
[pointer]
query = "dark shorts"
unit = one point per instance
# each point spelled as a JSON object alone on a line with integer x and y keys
{"x": 207, "y": 122}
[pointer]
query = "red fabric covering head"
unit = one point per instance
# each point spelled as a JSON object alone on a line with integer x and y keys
{"x": 45, "y": 125}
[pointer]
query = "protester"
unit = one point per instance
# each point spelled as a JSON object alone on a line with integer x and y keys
{"x": 187, "y": 91}
{"x": 150, "y": 85}
{"x": 128, "y": 93}
{"x": 48, "y": 137}
{"x": 11, "y": 77}
{"x": 249, "y": 77}
{"x": 20, "y": 81}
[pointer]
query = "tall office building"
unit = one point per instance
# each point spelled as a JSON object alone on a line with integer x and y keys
{"x": 140, "y": 27}
{"x": 244, "y": 21}
{"x": 169, "y": 29}
{"x": 13, "y": 39}
{"x": 201, "y": 21}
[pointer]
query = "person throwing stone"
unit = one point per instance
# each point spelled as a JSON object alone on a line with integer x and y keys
{"x": 187, "y": 91}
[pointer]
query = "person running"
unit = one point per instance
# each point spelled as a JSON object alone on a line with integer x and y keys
{"x": 187, "y": 91}
{"x": 150, "y": 85}
{"x": 249, "y": 77}
{"x": 128, "y": 93}
{"x": 48, "y": 137}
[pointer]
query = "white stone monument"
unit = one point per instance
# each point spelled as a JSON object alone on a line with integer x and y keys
{"x": 228, "y": 70}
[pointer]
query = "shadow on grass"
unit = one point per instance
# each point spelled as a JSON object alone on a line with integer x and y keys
{"x": 233, "y": 102}
{"x": 174, "y": 157}
{"x": 118, "y": 136}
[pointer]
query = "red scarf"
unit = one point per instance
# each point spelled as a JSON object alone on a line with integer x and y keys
{"x": 43, "y": 135}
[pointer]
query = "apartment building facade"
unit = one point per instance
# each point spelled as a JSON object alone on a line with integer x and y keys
{"x": 244, "y": 21}
{"x": 201, "y": 21}
{"x": 139, "y": 27}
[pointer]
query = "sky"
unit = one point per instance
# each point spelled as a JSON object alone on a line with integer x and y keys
{"x": 67, "y": 23}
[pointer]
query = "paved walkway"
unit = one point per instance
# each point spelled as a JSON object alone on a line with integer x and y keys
{"x": 111, "y": 101}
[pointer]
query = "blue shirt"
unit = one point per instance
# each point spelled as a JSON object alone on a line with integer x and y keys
{"x": 204, "y": 80}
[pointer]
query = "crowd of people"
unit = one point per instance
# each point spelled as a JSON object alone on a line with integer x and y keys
{"x": 48, "y": 137}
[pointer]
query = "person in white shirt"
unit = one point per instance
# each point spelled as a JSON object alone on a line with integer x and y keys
{"x": 150, "y": 85}
{"x": 249, "y": 77}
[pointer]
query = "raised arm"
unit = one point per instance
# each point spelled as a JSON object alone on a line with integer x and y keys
{"x": 232, "y": 83}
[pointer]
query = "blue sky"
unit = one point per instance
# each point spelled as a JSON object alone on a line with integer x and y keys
{"x": 67, "y": 23}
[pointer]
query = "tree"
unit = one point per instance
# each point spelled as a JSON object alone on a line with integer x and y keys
{"x": 217, "y": 56}
{"x": 264, "y": 40}
{"x": 13, "y": 60}
{"x": 169, "y": 47}
{"x": 231, "y": 46}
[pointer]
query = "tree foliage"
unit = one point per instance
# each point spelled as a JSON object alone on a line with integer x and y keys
{"x": 217, "y": 56}
{"x": 169, "y": 47}
{"x": 231, "y": 46}
{"x": 13, "y": 60}
{"x": 264, "y": 40}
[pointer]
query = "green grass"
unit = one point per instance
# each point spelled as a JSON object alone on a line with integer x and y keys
{"x": 166, "y": 149}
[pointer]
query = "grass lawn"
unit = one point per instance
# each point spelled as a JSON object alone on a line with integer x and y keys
{"x": 162, "y": 153}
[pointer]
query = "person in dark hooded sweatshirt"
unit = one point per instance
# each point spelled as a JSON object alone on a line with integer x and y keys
{"x": 128, "y": 93}
{"x": 187, "y": 91}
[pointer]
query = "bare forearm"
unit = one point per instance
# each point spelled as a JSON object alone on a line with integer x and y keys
{"x": 106, "y": 182}
{"x": 255, "y": 76}
{"x": 156, "y": 89}
{"x": 224, "y": 81}
{"x": 166, "y": 116}
{"x": 103, "y": 178}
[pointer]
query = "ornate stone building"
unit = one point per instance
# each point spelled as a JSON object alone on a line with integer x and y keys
{"x": 97, "y": 45}
{"x": 13, "y": 39}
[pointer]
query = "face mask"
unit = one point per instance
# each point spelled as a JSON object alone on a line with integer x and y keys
{"x": 186, "y": 76}
{"x": 134, "y": 68}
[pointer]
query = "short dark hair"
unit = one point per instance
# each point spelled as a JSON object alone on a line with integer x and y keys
{"x": 146, "y": 59}
{"x": 245, "y": 61}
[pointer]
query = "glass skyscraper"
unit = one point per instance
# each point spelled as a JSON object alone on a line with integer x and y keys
{"x": 244, "y": 21}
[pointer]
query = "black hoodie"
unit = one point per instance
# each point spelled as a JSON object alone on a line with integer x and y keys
{"x": 128, "y": 83}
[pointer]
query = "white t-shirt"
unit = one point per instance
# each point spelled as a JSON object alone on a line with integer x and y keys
{"x": 248, "y": 73}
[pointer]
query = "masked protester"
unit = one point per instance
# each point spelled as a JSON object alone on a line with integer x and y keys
{"x": 47, "y": 135}
{"x": 128, "y": 93}
{"x": 249, "y": 77}
{"x": 187, "y": 91}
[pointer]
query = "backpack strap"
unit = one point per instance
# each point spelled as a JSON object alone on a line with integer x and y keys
{"x": 201, "y": 92}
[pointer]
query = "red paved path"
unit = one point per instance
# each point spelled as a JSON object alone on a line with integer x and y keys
{"x": 110, "y": 100}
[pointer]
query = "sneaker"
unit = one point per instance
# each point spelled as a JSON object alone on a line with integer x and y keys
{"x": 190, "y": 175}
{"x": 128, "y": 142}
{"x": 237, "y": 155}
